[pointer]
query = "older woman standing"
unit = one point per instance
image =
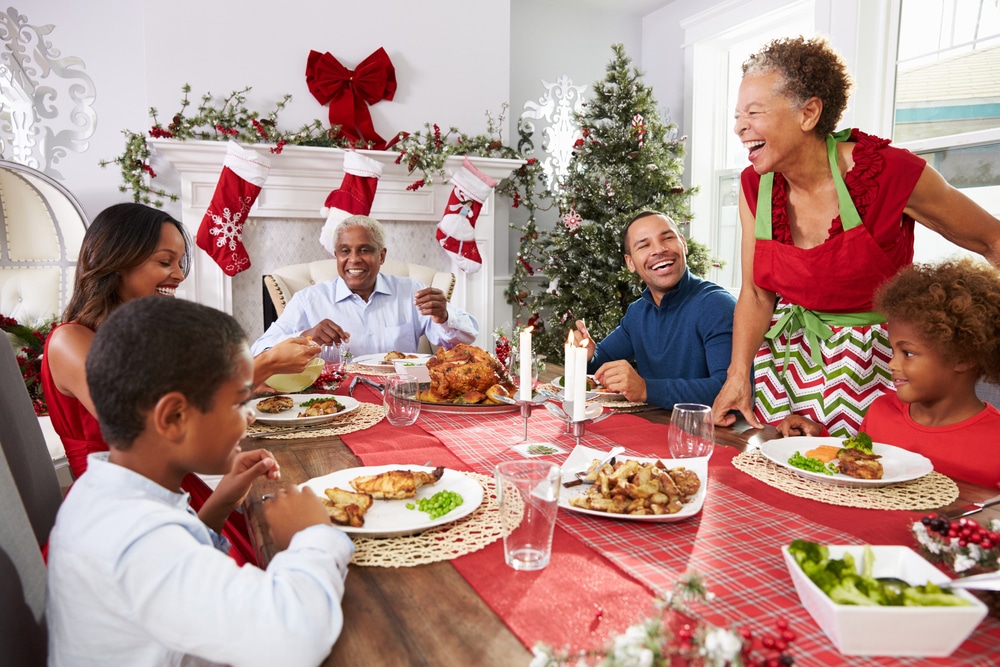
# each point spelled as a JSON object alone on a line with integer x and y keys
{"x": 826, "y": 218}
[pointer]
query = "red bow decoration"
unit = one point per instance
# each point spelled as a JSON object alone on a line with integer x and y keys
{"x": 349, "y": 93}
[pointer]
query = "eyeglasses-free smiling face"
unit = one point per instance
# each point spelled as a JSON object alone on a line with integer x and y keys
{"x": 358, "y": 260}
{"x": 160, "y": 273}
{"x": 919, "y": 372}
{"x": 767, "y": 123}
{"x": 657, "y": 253}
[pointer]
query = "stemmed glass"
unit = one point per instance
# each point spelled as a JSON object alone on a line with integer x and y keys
{"x": 692, "y": 431}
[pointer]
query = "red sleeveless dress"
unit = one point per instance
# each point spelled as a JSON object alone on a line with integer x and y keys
{"x": 81, "y": 436}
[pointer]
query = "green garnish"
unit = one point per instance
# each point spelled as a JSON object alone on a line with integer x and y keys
{"x": 540, "y": 450}
{"x": 439, "y": 504}
{"x": 862, "y": 442}
{"x": 810, "y": 464}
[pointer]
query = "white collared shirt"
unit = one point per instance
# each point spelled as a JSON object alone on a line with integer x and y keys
{"x": 387, "y": 321}
{"x": 135, "y": 578}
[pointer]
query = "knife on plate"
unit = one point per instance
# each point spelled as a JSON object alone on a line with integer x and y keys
{"x": 971, "y": 508}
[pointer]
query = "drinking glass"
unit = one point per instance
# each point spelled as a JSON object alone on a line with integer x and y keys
{"x": 692, "y": 431}
{"x": 528, "y": 495}
{"x": 514, "y": 368}
{"x": 402, "y": 405}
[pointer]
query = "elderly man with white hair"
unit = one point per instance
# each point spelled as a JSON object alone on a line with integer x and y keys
{"x": 372, "y": 311}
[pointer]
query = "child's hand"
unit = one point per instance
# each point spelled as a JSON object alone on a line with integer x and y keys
{"x": 234, "y": 486}
{"x": 799, "y": 425}
{"x": 290, "y": 511}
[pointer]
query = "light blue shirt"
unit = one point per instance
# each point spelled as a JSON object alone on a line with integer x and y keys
{"x": 135, "y": 578}
{"x": 387, "y": 321}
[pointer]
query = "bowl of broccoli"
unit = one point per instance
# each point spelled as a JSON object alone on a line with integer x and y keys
{"x": 852, "y": 593}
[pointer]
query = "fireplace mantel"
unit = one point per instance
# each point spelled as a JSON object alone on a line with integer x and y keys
{"x": 300, "y": 179}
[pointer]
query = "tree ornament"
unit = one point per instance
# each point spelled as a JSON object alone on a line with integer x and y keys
{"x": 572, "y": 220}
{"x": 639, "y": 128}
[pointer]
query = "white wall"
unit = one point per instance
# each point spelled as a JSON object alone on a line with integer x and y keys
{"x": 451, "y": 58}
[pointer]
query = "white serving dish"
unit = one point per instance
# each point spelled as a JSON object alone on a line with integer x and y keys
{"x": 414, "y": 367}
{"x": 888, "y": 631}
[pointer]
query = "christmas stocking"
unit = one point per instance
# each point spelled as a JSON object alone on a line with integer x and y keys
{"x": 221, "y": 230}
{"x": 457, "y": 230}
{"x": 354, "y": 197}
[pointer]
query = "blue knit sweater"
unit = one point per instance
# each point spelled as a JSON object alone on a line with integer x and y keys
{"x": 681, "y": 348}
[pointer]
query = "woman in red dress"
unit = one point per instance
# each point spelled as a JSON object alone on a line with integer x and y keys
{"x": 826, "y": 218}
{"x": 130, "y": 251}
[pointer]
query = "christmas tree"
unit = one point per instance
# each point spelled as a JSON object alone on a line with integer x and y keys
{"x": 628, "y": 160}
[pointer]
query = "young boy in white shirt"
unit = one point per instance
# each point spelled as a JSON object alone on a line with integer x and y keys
{"x": 135, "y": 577}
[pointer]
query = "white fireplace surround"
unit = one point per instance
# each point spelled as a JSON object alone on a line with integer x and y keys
{"x": 300, "y": 179}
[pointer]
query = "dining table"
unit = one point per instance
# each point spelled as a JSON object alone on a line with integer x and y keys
{"x": 605, "y": 573}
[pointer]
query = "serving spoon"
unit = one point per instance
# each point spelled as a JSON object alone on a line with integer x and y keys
{"x": 989, "y": 581}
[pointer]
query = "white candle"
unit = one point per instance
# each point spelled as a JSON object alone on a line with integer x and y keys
{"x": 569, "y": 366}
{"x": 525, "y": 358}
{"x": 580, "y": 384}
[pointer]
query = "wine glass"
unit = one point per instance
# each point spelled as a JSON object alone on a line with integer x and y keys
{"x": 692, "y": 431}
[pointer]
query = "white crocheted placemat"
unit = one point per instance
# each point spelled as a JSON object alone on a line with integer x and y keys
{"x": 464, "y": 536}
{"x": 929, "y": 492}
{"x": 364, "y": 416}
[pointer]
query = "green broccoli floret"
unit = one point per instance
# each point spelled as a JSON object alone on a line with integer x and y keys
{"x": 809, "y": 552}
{"x": 862, "y": 441}
{"x": 846, "y": 592}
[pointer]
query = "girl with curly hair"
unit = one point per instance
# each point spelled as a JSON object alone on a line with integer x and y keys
{"x": 826, "y": 217}
{"x": 944, "y": 327}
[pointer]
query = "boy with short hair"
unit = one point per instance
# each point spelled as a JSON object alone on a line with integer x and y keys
{"x": 135, "y": 577}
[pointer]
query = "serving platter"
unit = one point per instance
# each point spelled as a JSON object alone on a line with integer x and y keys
{"x": 581, "y": 457}
{"x": 378, "y": 362}
{"x": 290, "y": 417}
{"x": 391, "y": 518}
{"x": 466, "y": 408}
{"x": 898, "y": 465}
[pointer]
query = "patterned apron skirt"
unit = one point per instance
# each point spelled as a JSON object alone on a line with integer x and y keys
{"x": 835, "y": 393}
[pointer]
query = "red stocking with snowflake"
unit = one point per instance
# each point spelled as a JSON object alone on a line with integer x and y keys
{"x": 457, "y": 230}
{"x": 221, "y": 230}
{"x": 354, "y": 197}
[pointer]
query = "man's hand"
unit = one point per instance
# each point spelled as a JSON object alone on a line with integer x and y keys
{"x": 799, "y": 425}
{"x": 327, "y": 332}
{"x": 620, "y": 377}
{"x": 582, "y": 334}
{"x": 431, "y": 301}
{"x": 290, "y": 511}
{"x": 232, "y": 489}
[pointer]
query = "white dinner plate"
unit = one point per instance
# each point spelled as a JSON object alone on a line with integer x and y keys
{"x": 390, "y": 518}
{"x": 291, "y": 417}
{"x": 898, "y": 465}
{"x": 378, "y": 362}
{"x": 581, "y": 457}
{"x": 600, "y": 393}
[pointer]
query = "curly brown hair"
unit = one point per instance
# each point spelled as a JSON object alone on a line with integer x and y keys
{"x": 955, "y": 305}
{"x": 810, "y": 68}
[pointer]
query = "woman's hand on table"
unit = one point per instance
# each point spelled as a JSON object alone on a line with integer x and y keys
{"x": 291, "y": 510}
{"x": 234, "y": 486}
{"x": 799, "y": 425}
{"x": 734, "y": 395}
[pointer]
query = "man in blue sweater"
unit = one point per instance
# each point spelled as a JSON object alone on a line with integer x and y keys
{"x": 679, "y": 333}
